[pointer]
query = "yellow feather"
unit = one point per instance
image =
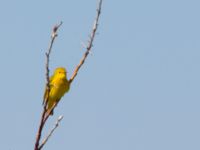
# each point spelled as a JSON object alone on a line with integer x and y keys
{"x": 59, "y": 85}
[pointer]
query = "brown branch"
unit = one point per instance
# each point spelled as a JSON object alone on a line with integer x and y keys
{"x": 45, "y": 114}
{"x": 53, "y": 36}
{"x": 90, "y": 43}
{"x": 51, "y": 132}
{"x": 42, "y": 121}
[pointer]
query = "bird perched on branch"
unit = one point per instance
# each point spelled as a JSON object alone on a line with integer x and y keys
{"x": 59, "y": 85}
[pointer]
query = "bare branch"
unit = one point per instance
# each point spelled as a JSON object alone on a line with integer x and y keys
{"x": 46, "y": 113}
{"x": 90, "y": 43}
{"x": 51, "y": 132}
{"x": 42, "y": 121}
{"x": 53, "y": 36}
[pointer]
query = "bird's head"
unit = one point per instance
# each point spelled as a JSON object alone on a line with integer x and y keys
{"x": 60, "y": 72}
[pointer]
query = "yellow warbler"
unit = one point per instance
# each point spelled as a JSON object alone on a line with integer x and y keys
{"x": 59, "y": 85}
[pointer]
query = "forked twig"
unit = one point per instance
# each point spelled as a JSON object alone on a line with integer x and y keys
{"x": 45, "y": 114}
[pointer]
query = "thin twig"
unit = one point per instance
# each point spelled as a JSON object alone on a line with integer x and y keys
{"x": 53, "y": 36}
{"x": 90, "y": 43}
{"x": 51, "y": 132}
{"x": 42, "y": 121}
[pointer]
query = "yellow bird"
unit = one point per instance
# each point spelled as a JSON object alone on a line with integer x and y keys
{"x": 59, "y": 85}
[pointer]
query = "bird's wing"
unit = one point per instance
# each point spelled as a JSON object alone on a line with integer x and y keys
{"x": 46, "y": 91}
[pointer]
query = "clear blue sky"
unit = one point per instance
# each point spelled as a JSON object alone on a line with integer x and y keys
{"x": 138, "y": 90}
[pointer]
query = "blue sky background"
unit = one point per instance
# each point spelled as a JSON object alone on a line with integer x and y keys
{"x": 138, "y": 90}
